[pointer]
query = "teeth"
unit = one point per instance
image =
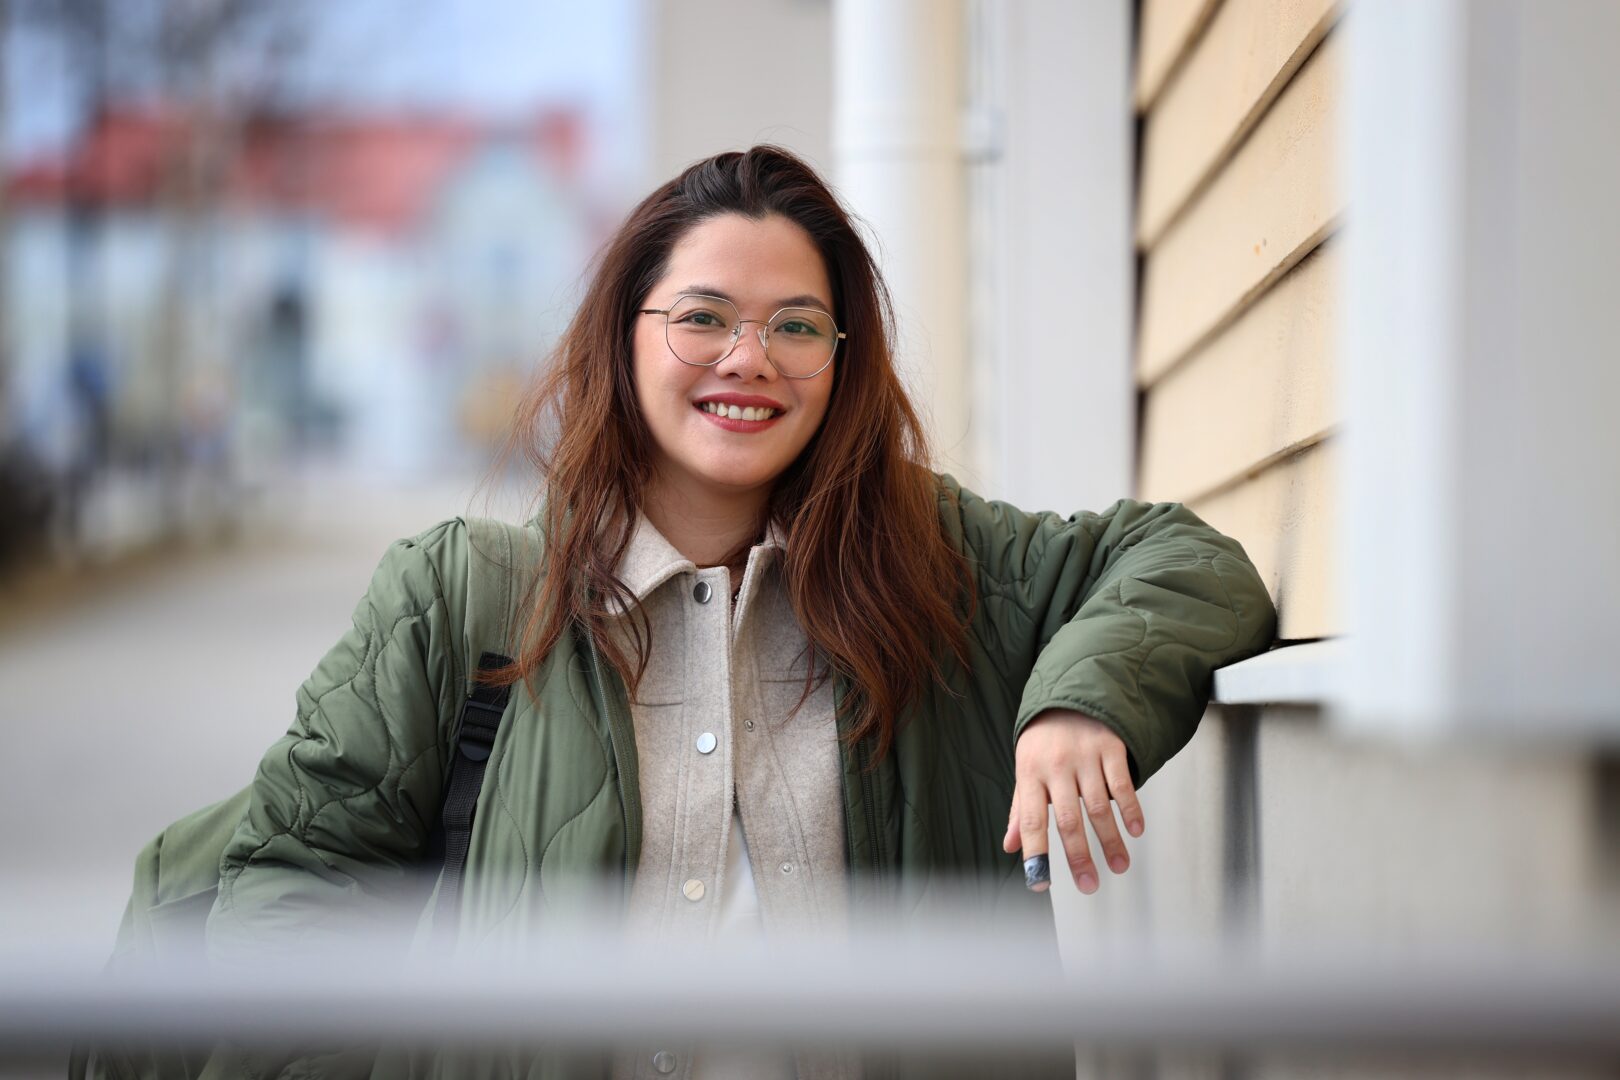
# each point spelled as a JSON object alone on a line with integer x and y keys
{"x": 733, "y": 412}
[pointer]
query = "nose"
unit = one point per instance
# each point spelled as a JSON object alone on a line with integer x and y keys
{"x": 748, "y": 358}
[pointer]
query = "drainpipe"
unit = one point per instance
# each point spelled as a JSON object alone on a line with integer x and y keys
{"x": 899, "y": 164}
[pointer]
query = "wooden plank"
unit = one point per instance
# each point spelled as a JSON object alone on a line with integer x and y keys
{"x": 1169, "y": 29}
{"x": 1286, "y": 520}
{"x": 1275, "y": 201}
{"x": 1260, "y": 390}
{"x": 1251, "y": 51}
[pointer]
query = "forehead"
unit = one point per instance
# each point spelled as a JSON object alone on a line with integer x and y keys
{"x": 755, "y": 262}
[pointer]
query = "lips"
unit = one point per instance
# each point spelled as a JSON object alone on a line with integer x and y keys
{"x": 740, "y": 412}
{"x": 743, "y": 419}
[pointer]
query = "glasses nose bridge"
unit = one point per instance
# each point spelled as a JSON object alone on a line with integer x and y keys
{"x": 763, "y": 334}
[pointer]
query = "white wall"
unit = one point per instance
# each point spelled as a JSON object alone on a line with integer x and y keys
{"x": 727, "y": 74}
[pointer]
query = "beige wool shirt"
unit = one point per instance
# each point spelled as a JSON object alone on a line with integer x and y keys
{"x": 718, "y": 750}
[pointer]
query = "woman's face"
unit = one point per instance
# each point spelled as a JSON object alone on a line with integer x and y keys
{"x": 761, "y": 266}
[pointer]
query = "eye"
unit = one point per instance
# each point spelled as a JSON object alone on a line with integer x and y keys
{"x": 706, "y": 319}
{"x": 798, "y": 328}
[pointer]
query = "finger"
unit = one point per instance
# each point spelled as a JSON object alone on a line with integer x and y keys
{"x": 1072, "y": 829}
{"x": 1116, "y": 767}
{"x": 1032, "y": 818}
{"x": 1094, "y": 795}
{"x": 1009, "y": 842}
{"x": 1032, "y": 830}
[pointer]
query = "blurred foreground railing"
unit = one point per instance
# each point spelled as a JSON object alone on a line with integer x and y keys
{"x": 937, "y": 988}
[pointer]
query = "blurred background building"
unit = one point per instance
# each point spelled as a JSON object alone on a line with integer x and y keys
{"x": 1334, "y": 274}
{"x": 226, "y": 261}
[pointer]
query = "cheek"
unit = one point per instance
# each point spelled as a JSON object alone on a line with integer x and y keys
{"x": 655, "y": 381}
{"x": 818, "y": 401}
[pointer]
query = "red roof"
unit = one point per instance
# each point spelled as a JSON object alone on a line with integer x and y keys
{"x": 374, "y": 173}
{"x": 120, "y": 162}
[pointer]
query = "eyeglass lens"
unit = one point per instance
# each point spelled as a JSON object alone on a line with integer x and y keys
{"x": 702, "y": 329}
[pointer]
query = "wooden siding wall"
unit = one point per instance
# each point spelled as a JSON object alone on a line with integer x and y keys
{"x": 1238, "y": 199}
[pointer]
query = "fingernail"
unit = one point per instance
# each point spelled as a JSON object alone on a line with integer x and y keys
{"x": 1037, "y": 873}
{"x": 1135, "y": 827}
{"x": 1117, "y": 864}
{"x": 1088, "y": 882}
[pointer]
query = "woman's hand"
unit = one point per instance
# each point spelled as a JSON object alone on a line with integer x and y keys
{"x": 1068, "y": 760}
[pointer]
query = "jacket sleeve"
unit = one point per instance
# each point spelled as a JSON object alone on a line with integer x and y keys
{"x": 340, "y": 811}
{"x": 1122, "y": 615}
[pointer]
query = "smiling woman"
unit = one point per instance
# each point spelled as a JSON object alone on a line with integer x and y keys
{"x": 743, "y": 283}
{"x": 769, "y": 671}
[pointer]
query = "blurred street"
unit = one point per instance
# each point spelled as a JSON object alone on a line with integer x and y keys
{"x": 136, "y": 693}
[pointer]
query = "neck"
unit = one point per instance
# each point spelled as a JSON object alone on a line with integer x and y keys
{"x": 702, "y": 524}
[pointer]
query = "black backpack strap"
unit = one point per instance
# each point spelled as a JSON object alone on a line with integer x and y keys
{"x": 480, "y": 721}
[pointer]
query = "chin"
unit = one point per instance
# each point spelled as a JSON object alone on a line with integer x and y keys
{"x": 735, "y": 475}
{"x": 739, "y": 481}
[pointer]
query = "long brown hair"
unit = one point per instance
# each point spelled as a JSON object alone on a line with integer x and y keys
{"x": 877, "y": 589}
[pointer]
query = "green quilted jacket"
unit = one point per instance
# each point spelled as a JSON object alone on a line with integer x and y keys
{"x": 1122, "y": 615}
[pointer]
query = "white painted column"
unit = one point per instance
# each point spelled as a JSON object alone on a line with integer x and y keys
{"x": 898, "y": 162}
{"x": 1481, "y": 524}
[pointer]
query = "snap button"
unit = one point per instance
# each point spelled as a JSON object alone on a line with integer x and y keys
{"x": 787, "y": 868}
{"x": 664, "y": 1062}
{"x": 701, "y": 592}
{"x": 705, "y": 742}
{"x": 692, "y": 890}
{"x": 748, "y": 725}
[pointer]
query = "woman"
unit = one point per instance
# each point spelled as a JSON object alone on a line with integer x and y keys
{"x": 771, "y": 667}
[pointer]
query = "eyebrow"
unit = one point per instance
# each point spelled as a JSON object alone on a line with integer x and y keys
{"x": 802, "y": 300}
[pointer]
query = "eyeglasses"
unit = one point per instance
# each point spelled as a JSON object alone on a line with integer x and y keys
{"x": 702, "y": 330}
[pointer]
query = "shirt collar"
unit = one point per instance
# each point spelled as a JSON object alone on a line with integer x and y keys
{"x": 650, "y": 560}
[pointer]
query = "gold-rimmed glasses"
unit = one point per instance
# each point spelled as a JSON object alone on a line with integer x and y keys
{"x": 702, "y": 330}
